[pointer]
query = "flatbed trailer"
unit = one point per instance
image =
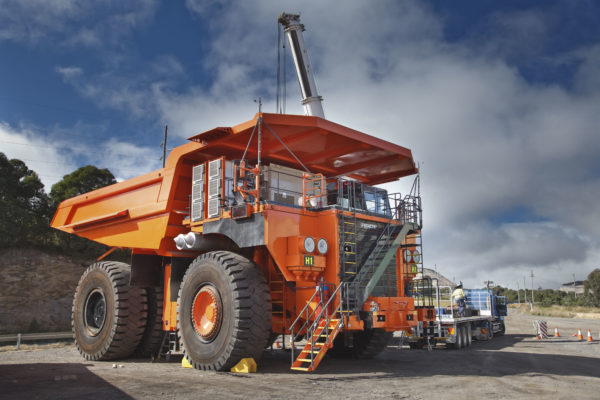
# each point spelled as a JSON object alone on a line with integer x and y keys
{"x": 483, "y": 318}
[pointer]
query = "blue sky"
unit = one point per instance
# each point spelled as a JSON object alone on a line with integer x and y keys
{"x": 499, "y": 102}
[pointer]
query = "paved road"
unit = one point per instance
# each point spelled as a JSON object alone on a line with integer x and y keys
{"x": 513, "y": 366}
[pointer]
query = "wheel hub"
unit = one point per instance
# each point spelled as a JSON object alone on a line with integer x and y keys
{"x": 94, "y": 312}
{"x": 207, "y": 313}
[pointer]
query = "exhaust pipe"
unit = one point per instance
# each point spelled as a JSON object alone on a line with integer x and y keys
{"x": 193, "y": 241}
{"x": 199, "y": 242}
{"x": 180, "y": 241}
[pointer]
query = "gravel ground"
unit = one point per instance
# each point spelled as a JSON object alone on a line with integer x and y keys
{"x": 511, "y": 366}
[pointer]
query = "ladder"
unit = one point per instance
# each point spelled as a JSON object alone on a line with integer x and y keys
{"x": 412, "y": 251}
{"x": 169, "y": 344}
{"x": 320, "y": 328}
{"x": 278, "y": 299}
{"x": 349, "y": 249}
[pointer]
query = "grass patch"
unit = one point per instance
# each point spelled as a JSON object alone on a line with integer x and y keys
{"x": 33, "y": 347}
{"x": 559, "y": 311}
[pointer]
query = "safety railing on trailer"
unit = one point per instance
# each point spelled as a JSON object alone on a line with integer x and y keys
{"x": 446, "y": 309}
{"x": 479, "y": 299}
{"x": 312, "y": 318}
{"x": 478, "y": 303}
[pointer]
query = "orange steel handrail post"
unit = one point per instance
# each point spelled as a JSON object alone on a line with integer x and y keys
{"x": 244, "y": 191}
{"x": 314, "y": 178}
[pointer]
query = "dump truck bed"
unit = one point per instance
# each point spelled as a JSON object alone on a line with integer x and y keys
{"x": 147, "y": 212}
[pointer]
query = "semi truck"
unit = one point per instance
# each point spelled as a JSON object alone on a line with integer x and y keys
{"x": 482, "y": 318}
{"x": 274, "y": 226}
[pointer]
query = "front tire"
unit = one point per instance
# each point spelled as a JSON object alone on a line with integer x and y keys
{"x": 223, "y": 311}
{"x": 108, "y": 315}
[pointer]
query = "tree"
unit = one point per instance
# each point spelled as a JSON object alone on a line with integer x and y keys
{"x": 24, "y": 204}
{"x": 83, "y": 180}
{"x": 591, "y": 288}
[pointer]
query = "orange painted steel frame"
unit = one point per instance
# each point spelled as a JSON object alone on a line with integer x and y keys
{"x": 145, "y": 213}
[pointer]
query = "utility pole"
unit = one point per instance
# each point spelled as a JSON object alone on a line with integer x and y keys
{"x": 164, "y": 147}
{"x": 518, "y": 293}
{"x": 525, "y": 290}
{"x": 532, "y": 297}
{"x": 574, "y": 290}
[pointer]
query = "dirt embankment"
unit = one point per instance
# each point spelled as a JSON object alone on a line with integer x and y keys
{"x": 36, "y": 290}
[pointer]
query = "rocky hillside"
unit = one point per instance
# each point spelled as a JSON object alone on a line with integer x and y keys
{"x": 36, "y": 290}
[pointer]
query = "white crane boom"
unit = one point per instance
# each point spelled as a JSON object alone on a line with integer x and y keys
{"x": 310, "y": 98}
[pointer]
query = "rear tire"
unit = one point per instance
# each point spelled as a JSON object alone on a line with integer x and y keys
{"x": 108, "y": 315}
{"x": 460, "y": 337}
{"x": 468, "y": 334}
{"x": 223, "y": 311}
{"x": 153, "y": 333}
{"x": 502, "y": 329}
{"x": 367, "y": 344}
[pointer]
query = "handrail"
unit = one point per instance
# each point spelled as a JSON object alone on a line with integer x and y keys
{"x": 310, "y": 330}
{"x": 243, "y": 190}
{"x": 369, "y": 263}
{"x": 300, "y": 314}
{"x": 321, "y": 188}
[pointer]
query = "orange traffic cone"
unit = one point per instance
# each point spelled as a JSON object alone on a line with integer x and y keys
{"x": 579, "y": 335}
{"x": 590, "y": 338}
{"x": 556, "y": 334}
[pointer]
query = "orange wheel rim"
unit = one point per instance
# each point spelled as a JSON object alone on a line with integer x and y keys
{"x": 206, "y": 313}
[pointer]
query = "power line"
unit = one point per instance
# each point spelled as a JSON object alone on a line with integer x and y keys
{"x": 72, "y": 111}
{"x": 69, "y": 165}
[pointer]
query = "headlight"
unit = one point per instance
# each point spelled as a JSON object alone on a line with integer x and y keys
{"x": 322, "y": 246}
{"x": 309, "y": 244}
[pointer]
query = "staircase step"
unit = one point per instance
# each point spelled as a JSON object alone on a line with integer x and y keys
{"x": 300, "y": 368}
{"x": 304, "y": 359}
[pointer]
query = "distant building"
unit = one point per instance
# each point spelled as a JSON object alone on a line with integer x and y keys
{"x": 572, "y": 287}
{"x": 442, "y": 280}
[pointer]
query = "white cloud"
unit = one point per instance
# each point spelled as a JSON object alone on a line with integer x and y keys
{"x": 72, "y": 22}
{"x": 69, "y": 73}
{"x": 126, "y": 160}
{"x": 37, "y": 151}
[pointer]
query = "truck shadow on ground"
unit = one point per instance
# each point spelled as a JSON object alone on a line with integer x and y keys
{"x": 54, "y": 381}
{"x": 482, "y": 359}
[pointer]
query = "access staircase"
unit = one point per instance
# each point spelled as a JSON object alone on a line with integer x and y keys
{"x": 381, "y": 258}
{"x": 358, "y": 279}
{"x": 319, "y": 326}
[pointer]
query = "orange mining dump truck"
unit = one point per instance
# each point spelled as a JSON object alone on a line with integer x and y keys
{"x": 270, "y": 227}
